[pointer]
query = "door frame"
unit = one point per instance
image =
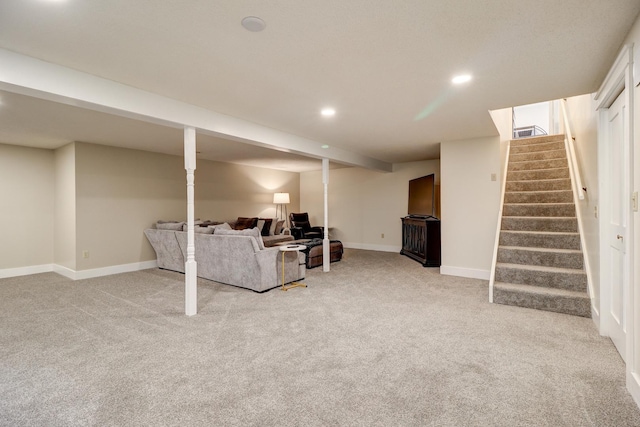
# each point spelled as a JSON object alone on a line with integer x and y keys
{"x": 618, "y": 81}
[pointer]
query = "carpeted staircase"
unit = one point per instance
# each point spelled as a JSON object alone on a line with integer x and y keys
{"x": 540, "y": 262}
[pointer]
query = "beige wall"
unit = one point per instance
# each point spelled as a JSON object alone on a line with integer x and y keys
{"x": 224, "y": 190}
{"x": 364, "y": 204}
{"x": 120, "y": 192}
{"x": 583, "y": 120}
{"x": 65, "y": 207}
{"x": 26, "y": 206}
{"x": 99, "y": 199}
{"x": 470, "y": 205}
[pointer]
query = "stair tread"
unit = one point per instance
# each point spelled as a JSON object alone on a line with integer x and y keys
{"x": 544, "y": 217}
{"x": 536, "y": 191}
{"x": 541, "y": 233}
{"x": 536, "y": 160}
{"x": 540, "y": 268}
{"x": 535, "y": 140}
{"x": 539, "y": 180}
{"x": 534, "y": 249}
{"x": 541, "y": 203}
{"x": 540, "y": 290}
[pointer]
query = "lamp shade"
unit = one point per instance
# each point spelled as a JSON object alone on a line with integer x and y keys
{"x": 281, "y": 198}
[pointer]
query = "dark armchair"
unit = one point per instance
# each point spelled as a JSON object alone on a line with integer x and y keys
{"x": 302, "y": 229}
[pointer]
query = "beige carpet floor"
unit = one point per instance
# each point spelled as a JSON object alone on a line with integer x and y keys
{"x": 378, "y": 341}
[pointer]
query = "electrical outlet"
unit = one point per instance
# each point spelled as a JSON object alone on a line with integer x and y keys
{"x": 494, "y": 177}
{"x": 85, "y": 254}
{"x": 595, "y": 211}
{"x": 634, "y": 201}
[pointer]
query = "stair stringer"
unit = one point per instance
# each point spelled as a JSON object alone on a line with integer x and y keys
{"x": 595, "y": 312}
{"x": 494, "y": 261}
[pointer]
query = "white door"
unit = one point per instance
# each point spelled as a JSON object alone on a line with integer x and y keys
{"x": 617, "y": 237}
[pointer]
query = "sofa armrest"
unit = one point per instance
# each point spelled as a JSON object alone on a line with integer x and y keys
{"x": 297, "y": 233}
{"x": 318, "y": 229}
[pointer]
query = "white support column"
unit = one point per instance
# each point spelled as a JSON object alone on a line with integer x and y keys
{"x": 326, "y": 246}
{"x": 190, "y": 266}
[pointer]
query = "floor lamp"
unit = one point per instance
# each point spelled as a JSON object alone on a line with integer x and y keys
{"x": 281, "y": 200}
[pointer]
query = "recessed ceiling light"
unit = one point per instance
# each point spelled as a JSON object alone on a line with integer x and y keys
{"x": 253, "y": 24}
{"x": 325, "y": 146}
{"x": 462, "y": 78}
{"x": 328, "y": 112}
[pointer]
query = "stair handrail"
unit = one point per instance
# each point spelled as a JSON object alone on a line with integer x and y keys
{"x": 494, "y": 261}
{"x": 578, "y": 193}
{"x": 573, "y": 161}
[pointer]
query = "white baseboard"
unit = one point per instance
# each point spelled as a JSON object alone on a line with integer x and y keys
{"x": 370, "y": 247}
{"x": 78, "y": 275}
{"x": 25, "y": 271}
{"x": 471, "y": 273}
{"x": 114, "y": 269}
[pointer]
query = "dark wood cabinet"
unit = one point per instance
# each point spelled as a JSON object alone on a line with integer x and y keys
{"x": 421, "y": 240}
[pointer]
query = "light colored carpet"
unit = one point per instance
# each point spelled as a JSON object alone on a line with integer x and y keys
{"x": 379, "y": 341}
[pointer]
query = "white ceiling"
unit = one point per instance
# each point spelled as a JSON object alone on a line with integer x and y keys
{"x": 385, "y": 66}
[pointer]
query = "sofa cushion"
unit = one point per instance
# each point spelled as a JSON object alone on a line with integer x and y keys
{"x": 223, "y": 226}
{"x": 270, "y": 241}
{"x": 176, "y": 226}
{"x": 265, "y": 229}
{"x": 254, "y": 232}
{"x": 244, "y": 223}
{"x": 203, "y": 230}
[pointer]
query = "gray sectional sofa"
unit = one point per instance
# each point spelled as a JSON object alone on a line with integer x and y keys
{"x": 230, "y": 257}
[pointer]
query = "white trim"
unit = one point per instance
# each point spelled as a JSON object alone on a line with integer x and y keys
{"x": 370, "y": 247}
{"x": 104, "y": 271}
{"x": 471, "y": 273}
{"x": 614, "y": 82}
{"x": 25, "y": 271}
{"x": 496, "y": 242}
{"x": 619, "y": 78}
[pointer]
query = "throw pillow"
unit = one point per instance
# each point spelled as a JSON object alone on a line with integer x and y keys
{"x": 244, "y": 223}
{"x": 272, "y": 229}
{"x": 253, "y": 232}
{"x": 175, "y": 226}
{"x": 223, "y": 226}
{"x": 266, "y": 226}
{"x": 279, "y": 227}
{"x": 196, "y": 223}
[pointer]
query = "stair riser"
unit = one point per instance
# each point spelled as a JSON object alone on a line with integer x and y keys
{"x": 569, "y": 225}
{"x": 565, "y": 196}
{"x": 540, "y": 185}
{"x": 537, "y": 140}
{"x": 574, "y": 306}
{"x": 552, "y": 209}
{"x": 537, "y": 165}
{"x": 532, "y": 148}
{"x": 538, "y": 155}
{"x": 541, "y": 174}
{"x": 533, "y": 240}
{"x": 545, "y": 259}
{"x": 568, "y": 281}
